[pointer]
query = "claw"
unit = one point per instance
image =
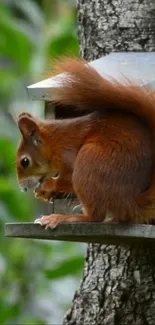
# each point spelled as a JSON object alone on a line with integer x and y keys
{"x": 38, "y": 221}
{"x": 50, "y": 221}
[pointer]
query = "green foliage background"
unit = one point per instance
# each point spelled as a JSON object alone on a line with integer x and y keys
{"x": 37, "y": 278}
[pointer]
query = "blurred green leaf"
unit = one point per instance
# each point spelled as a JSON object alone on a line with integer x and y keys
{"x": 65, "y": 44}
{"x": 19, "y": 204}
{"x": 32, "y": 12}
{"x": 69, "y": 266}
{"x": 5, "y": 186}
{"x": 7, "y": 161}
{"x": 14, "y": 44}
{"x": 33, "y": 321}
{"x": 8, "y": 311}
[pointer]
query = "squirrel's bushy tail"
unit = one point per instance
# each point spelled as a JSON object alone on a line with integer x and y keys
{"x": 85, "y": 89}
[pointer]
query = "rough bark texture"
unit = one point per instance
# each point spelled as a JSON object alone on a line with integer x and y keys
{"x": 118, "y": 286}
{"x": 115, "y": 25}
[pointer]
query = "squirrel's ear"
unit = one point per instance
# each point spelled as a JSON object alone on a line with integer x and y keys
{"x": 29, "y": 128}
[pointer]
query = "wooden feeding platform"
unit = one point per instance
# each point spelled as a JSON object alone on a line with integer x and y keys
{"x": 111, "y": 234}
{"x": 138, "y": 67}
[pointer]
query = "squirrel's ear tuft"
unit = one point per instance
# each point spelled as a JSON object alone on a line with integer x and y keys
{"x": 29, "y": 128}
{"x": 25, "y": 114}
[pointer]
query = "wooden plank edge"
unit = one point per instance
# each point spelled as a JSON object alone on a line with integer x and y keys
{"x": 111, "y": 234}
{"x": 110, "y": 65}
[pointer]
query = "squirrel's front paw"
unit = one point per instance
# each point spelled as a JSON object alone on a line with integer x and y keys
{"x": 44, "y": 194}
{"x": 50, "y": 221}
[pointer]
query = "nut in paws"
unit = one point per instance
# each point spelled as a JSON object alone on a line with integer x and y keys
{"x": 44, "y": 195}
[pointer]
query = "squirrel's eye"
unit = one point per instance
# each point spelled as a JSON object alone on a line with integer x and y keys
{"x": 25, "y": 162}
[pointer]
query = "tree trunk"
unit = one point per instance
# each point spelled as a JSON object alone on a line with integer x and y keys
{"x": 115, "y": 26}
{"x": 118, "y": 285}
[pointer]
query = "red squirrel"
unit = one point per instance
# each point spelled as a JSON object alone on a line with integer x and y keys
{"x": 105, "y": 157}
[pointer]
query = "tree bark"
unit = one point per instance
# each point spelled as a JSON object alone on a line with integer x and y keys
{"x": 115, "y": 26}
{"x": 118, "y": 288}
{"x": 118, "y": 285}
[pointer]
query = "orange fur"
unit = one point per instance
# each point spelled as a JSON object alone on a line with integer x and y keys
{"x": 105, "y": 157}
